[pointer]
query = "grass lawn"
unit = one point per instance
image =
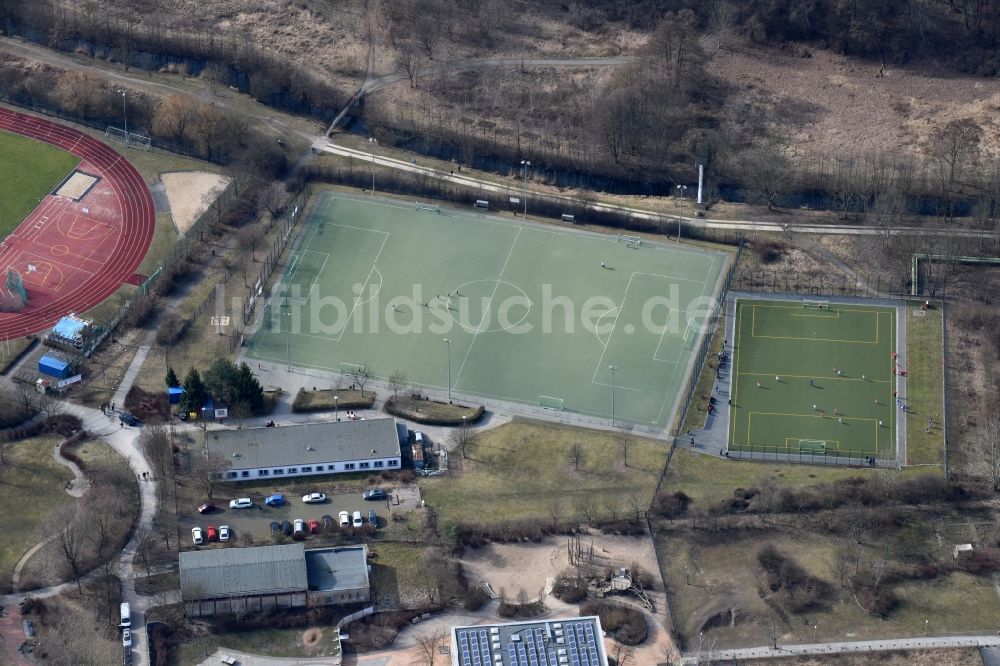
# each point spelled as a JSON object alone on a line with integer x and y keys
{"x": 267, "y": 642}
{"x": 32, "y": 485}
{"x": 517, "y": 470}
{"x": 9, "y": 351}
{"x": 696, "y": 415}
{"x": 161, "y": 582}
{"x": 705, "y": 578}
{"x": 29, "y": 170}
{"x": 710, "y": 478}
{"x": 395, "y": 569}
{"x": 164, "y": 238}
{"x": 923, "y": 388}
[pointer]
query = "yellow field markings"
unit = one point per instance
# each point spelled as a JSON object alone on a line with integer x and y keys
{"x": 851, "y": 419}
{"x": 789, "y": 440}
{"x": 753, "y": 325}
{"x": 834, "y": 314}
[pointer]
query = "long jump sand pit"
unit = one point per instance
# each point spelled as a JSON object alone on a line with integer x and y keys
{"x": 190, "y": 193}
{"x": 77, "y": 185}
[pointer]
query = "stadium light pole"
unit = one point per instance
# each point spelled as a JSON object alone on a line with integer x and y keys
{"x": 613, "y": 368}
{"x": 525, "y": 164}
{"x": 288, "y": 346}
{"x": 125, "y": 118}
{"x": 372, "y": 141}
{"x": 681, "y": 189}
{"x": 448, "y": 342}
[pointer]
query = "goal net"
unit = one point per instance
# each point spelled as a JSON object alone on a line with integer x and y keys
{"x": 815, "y": 304}
{"x": 549, "y": 402}
{"x": 351, "y": 368}
{"x": 430, "y": 208}
{"x": 689, "y": 335}
{"x": 812, "y": 446}
{"x": 630, "y": 241}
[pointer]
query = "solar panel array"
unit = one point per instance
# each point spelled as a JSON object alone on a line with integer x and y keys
{"x": 574, "y": 645}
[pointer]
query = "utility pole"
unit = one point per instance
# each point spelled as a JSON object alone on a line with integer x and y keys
{"x": 613, "y": 368}
{"x": 372, "y": 141}
{"x": 448, "y": 341}
{"x": 125, "y": 117}
{"x": 524, "y": 165}
{"x": 288, "y": 345}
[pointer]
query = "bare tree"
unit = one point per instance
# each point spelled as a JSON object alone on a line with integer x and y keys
{"x": 360, "y": 375}
{"x": 556, "y": 511}
{"x": 207, "y": 471}
{"x": 461, "y": 438}
{"x": 622, "y": 654}
{"x": 987, "y": 449}
{"x": 397, "y": 382}
{"x": 613, "y": 506}
{"x": 635, "y": 503}
{"x": 767, "y": 172}
{"x": 164, "y": 528}
{"x": 427, "y": 647}
{"x": 69, "y": 543}
{"x": 576, "y": 455}
{"x": 155, "y": 442}
{"x": 144, "y": 545}
{"x": 625, "y": 443}
{"x": 586, "y": 506}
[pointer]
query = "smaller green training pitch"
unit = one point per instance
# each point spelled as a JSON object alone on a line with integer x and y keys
{"x": 520, "y": 312}
{"x": 29, "y": 170}
{"x": 813, "y": 379}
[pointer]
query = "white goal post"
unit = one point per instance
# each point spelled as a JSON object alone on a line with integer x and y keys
{"x": 549, "y": 402}
{"x": 630, "y": 241}
{"x": 815, "y": 304}
{"x": 131, "y": 140}
{"x": 430, "y": 208}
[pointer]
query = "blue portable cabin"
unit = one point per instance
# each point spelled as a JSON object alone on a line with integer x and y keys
{"x": 174, "y": 394}
{"x": 54, "y": 367}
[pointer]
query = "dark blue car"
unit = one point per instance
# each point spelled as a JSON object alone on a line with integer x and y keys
{"x": 275, "y": 500}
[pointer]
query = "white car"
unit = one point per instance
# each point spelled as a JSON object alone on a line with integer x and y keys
{"x": 345, "y": 519}
{"x": 197, "y": 536}
{"x": 314, "y": 498}
{"x": 241, "y": 503}
{"x": 299, "y": 526}
{"x": 127, "y": 638}
{"x": 358, "y": 521}
{"x": 223, "y": 532}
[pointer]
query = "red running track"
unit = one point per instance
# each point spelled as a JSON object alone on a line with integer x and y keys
{"x": 73, "y": 254}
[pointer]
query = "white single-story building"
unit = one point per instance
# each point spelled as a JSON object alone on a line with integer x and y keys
{"x": 304, "y": 449}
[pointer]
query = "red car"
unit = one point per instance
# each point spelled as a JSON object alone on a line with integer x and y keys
{"x": 313, "y": 526}
{"x": 213, "y": 534}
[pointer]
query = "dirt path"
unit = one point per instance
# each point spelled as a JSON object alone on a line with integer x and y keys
{"x": 12, "y": 635}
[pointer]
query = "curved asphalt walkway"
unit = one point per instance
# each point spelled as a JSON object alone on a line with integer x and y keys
{"x": 853, "y": 647}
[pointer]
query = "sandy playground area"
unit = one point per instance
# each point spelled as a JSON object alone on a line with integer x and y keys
{"x": 190, "y": 193}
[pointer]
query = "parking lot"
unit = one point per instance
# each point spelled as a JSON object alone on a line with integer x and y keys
{"x": 256, "y": 521}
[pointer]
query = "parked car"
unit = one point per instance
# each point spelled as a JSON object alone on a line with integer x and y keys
{"x": 300, "y": 526}
{"x": 314, "y": 498}
{"x": 286, "y": 527}
{"x": 224, "y": 533}
{"x": 275, "y": 526}
{"x": 328, "y": 523}
{"x": 345, "y": 519}
{"x": 207, "y": 507}
{"x": 358, "y": 521}
{"x": 213, "y": 534}
{"x": 127, "y": 638}
{"x": 197, "y": 536}
{"x": 374, "y": 494}
{"x": 372, "y": 518}
{"x": 274, "y": 500}
{"x": 313, "y": 526}
{"x": 241, "y": 503}
{"x": 130, "y": 420}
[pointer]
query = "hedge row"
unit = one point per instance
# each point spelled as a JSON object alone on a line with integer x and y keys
{"x": 322, "y": 400}
{"x": 396, "y": 408}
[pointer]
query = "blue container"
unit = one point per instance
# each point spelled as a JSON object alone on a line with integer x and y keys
{"x": 54, "y": 367}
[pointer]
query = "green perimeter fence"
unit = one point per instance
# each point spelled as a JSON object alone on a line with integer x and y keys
{"x": 839, "y": 457}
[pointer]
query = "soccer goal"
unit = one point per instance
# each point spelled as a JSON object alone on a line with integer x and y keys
{"x": 630, "y": 241}
{"x": 351, "y": 368}
{"x": 549, "y": 402}
{"x": 429, "y": 208}
{"x": 812, "y": 446}
{"x": 690, "y": 333}
{"x": 815, "y": 304}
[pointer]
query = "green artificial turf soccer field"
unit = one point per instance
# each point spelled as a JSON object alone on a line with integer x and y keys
{"x": 826, "y": 379}
{"x": 525, "y": 277}
{"x": 29, "y": 170}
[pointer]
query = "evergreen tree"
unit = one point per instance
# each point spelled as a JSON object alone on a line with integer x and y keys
{"x": 195, "y": 392}
{"x": 171, "y": 379}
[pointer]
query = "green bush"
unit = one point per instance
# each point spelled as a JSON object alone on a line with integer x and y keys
{"x": 625, "y": 624}
{"x": 430, "y": 412}
{"x": 321, "y": 400}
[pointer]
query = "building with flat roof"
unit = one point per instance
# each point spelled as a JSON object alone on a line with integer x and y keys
{"x": 303, "y": 449}
{"x": 232, "y": 580}
{"x": 338, "y": 575}
{"x": 575, "y": 641}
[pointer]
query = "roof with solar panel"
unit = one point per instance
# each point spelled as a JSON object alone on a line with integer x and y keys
{"x": 575, "y": 641}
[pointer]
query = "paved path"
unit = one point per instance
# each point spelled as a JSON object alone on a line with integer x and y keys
{"x": 853, "y": 647}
